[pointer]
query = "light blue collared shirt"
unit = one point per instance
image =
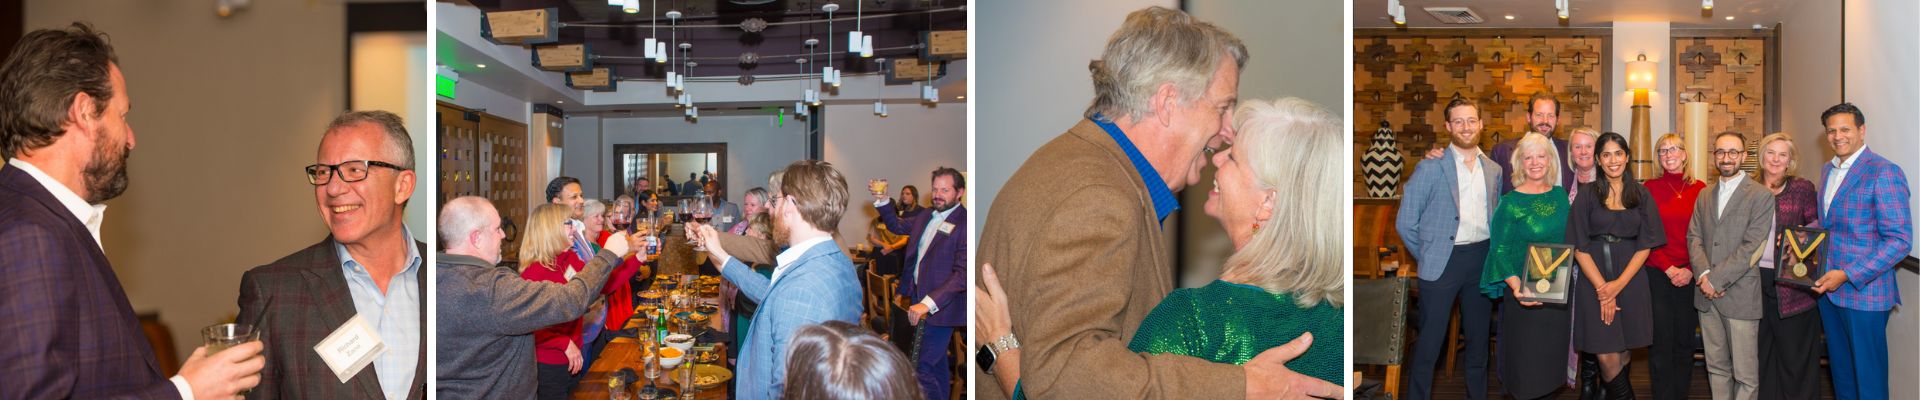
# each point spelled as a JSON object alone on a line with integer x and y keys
{"x": 395, "y": 315}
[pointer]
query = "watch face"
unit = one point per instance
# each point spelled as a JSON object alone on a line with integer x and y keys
{"x": 985, "y": 357}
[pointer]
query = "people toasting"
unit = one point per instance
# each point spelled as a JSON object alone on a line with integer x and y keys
{"x": 1444, "y": 221}
{"x": 487, "y": 315}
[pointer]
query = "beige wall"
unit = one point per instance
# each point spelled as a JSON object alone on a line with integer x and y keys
{"x": 227, "y": 111}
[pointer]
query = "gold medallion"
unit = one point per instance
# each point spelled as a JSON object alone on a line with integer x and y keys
{"x": 1545, "y": 269}
{"x": 1800, "y": 253}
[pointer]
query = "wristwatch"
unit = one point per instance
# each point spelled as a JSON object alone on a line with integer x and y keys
{"x": 989, "y": 352}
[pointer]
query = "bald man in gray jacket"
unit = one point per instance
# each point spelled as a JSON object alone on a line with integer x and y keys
{"x": 487, "y": 314}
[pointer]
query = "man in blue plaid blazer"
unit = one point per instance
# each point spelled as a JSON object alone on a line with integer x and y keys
{"x": 66, "y": 328}
{"x": 813, "y": 281}
{"x": 1864, "y": 204}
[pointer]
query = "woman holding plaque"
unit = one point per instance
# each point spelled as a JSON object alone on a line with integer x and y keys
{"x": 1789, "y": 322}
{"x": 1614, "y": 224}
{"x": 1533, "y": 335}
{"x": 1671, "y": 358}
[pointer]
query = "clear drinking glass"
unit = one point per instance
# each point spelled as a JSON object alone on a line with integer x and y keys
{"x": 223, "y": 336}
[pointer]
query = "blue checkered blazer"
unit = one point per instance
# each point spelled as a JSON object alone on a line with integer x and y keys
{"x": 69, "y": 331}
{"x": 820, "y": 286}
{"x": 1872, "y": 230}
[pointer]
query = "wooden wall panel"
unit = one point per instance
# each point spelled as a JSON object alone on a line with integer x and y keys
{"x": 1406, "y": 79}
{"x": 1729, "y": 73}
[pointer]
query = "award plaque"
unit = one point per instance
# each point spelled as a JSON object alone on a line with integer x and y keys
{"x": 1547, "y": 275}
{"x": 1802, "y": 257}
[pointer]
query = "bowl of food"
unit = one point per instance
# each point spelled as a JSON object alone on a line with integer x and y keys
{"x": 707, "y": 308}
{"x": 707, "y": 376}
{"x": 671, "y": 357}
{"x": 680, "y": 341}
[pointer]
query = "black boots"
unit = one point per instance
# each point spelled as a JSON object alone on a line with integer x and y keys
{"x": 1621, "y": 387}
{"x": 1589, "y": 379}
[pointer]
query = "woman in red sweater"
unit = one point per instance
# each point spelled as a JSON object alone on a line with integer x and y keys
{"x": 1671, "y": 357}
{"x": 547, "y": 256}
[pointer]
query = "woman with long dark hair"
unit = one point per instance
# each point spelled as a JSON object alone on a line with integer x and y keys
{"x": 1613, "y": 226}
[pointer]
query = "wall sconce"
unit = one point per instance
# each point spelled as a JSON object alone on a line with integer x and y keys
{"x": 1640, "y": 80}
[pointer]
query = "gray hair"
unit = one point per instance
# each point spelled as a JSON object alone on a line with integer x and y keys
{"x": 593, "y": 207}
{"x": 756, "y": 193}
{"x": 463, "y": 216}
{"x": 1290, "y": 144}
{"x": 1158, "y": 45}
{"x": 399, "y": 144}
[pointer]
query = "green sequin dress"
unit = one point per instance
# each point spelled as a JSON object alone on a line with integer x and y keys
{"x": 1535, "y": 342}
{"x": 1227, "y": 322}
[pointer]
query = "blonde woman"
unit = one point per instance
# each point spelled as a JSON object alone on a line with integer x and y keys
{"x": 546, "y": 256}
{"x": 1285, "y": 278}
{"x": 1789, "y": 321}
{"x": 1674, "y": 320}
{"x": 1533, "y": 336}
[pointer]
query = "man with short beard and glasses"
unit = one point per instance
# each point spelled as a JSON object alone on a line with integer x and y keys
{"x": 934, "y": 274}
{"x": 69, "y": 330}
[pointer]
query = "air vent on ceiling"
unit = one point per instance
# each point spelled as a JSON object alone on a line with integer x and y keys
{"x": 1455, "y": 15}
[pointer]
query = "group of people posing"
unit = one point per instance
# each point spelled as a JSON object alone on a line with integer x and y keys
{"x": 1654, "y": 261}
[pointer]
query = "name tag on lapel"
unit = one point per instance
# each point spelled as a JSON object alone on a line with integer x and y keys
{"x": 946, "y": 227}
{"x": 350, "y": 348}
{"x": 728, "y": 219}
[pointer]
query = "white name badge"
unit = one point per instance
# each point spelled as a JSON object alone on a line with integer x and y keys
{"x": 726, "y": 219}
{"x": 350, "y": 348}
{"x": 946, "y": 227}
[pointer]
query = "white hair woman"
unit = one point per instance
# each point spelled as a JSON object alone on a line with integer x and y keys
{"x": 1533, "y": 336}
{"x": 1789, "y": 320}
{"x": 1286, "y": 277}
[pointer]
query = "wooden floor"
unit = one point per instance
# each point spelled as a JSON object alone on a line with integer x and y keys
{"x": 1456, "y": 387}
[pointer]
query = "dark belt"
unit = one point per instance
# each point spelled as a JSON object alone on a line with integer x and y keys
{"x": 1609, "y": 238}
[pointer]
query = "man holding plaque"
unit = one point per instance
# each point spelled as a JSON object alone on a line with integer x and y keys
{"x": 1730, "y": 222}
{"x": 1864, "y": 204}
{"x": 1444, "y": 221}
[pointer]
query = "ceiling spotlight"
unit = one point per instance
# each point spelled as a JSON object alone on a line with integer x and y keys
{"x": 1563, "y": 7}
{"x": 632, "y": 7}
{"x": 1397, "y": 12}
{"x": 1729, "y": 17}
{"x": 1706, "y": 5}
{"x": 1509, "y": 17}
{"x": 225, "y": 8}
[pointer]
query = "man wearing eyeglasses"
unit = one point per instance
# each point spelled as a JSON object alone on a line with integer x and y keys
{"x": 343, "y": 318}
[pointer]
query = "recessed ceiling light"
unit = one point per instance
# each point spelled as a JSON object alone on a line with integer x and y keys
{"x": 560, "y": 101}
{"x": 480, "y": 65}
{"x": 1509, "y": 17}
{"x": 959, "y": 97}
{"x": 1729, "y": 17}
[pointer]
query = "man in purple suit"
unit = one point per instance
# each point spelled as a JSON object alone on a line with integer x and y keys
{"x": 69, "y": 331}
{"x": 1863, "y": 204}
{"x": 934, "y": 290}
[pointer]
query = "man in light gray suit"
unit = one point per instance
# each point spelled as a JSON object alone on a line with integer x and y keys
{"x": 1444, "y": 222}
{"x": 1730, "y": 223}
{"x": 487, "y": 314}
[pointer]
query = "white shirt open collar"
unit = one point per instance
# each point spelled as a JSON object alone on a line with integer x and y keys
{"x": 786, "y": 258}
{"x": 90, "y": 215}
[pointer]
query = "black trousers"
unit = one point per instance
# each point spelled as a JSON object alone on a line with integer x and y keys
{"x": 554, "y": 382}
{"x": 1670, "y": 360}
{"x": 1460, "y": 281}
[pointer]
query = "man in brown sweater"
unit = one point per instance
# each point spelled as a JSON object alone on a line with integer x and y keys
{"x": 1076, "y": 234}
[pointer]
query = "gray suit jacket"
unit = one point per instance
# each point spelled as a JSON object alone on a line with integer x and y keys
{"x": 487, "y": 316}
{"x": 1720, "y": 244}
{"x": 1430, "y": 212}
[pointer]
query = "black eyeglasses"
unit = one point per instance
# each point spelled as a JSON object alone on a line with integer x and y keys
{"x": 350, "y": 171}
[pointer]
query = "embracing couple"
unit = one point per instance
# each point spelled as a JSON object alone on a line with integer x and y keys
{"x": 1076, "y": 294}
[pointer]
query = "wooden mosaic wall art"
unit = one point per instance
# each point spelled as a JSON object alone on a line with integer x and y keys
{"x": 1406, "y": 81}
{"x": 1729, "y": 74}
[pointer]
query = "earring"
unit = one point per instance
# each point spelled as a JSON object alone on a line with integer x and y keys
{"x": 1256, "y": 227}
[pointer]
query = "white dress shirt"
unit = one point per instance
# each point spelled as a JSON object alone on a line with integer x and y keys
{"x": 1472, "y": 185}
{"x": 1837, "y": 176}
{"x": 786, "y": 258}
{"x": 1725, "y": 192}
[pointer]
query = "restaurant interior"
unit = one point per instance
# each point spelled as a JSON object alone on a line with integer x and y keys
{"x": 611, "y": 91}
{"x": 1639, "y": 68}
